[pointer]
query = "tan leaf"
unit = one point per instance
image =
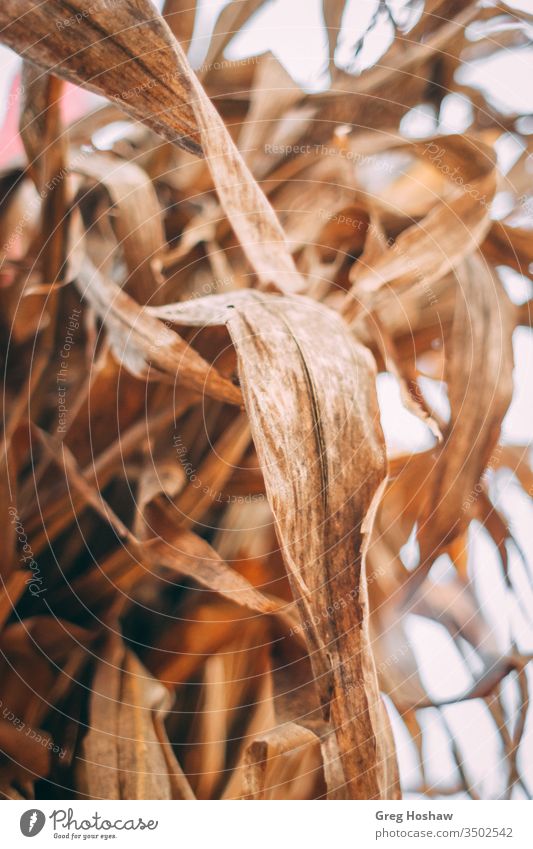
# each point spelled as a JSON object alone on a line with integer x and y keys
{"x": 133, "y": 58}
{"x": 125, "y": 754}
{"x": 323, "y": 461}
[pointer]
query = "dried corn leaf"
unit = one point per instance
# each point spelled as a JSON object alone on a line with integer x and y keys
{"x": 143, "y": 68}
{"x": 480, "y": 382}
{"x": 322, "y": 517}
{"x": 138, "y": 493}
{"x": 125, "y": 754}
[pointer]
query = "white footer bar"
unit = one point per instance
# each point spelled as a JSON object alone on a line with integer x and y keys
{"x": 270, "y": 825}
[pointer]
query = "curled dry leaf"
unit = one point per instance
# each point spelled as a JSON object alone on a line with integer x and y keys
{"x": 481, "y": 367}
{"x": 322, "y": 456}
{"x": 133, "y": 58}
{"x": 428, "y": 250}
{"x": 140, "y": 339}
{"x": 206, "y": 579}
{"x": 136, "y": 216}
{"x": 126, "y": 754}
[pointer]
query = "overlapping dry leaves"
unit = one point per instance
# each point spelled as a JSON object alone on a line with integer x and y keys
{"x": 203, "y": 593}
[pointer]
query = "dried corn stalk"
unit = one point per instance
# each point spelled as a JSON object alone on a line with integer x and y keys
{"x": 204, "y": 590}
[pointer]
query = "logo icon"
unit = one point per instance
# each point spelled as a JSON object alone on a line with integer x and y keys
{"x": 32, "y": 822}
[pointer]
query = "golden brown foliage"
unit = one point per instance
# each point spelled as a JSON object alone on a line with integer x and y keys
{"x": 203, "y": 594}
